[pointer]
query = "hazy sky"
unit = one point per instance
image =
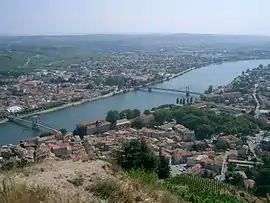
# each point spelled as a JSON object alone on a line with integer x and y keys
{"x": 24, "y": 17}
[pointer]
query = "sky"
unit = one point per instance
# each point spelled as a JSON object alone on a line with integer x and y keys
{"x": 53, "y": 17}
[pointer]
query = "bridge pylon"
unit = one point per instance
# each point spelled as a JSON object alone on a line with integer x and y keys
{"x": 35, "y": 123}
{"x": 187, "y": 91}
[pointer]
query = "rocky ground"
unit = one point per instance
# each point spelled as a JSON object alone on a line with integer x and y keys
{"x": 89, "y": 181}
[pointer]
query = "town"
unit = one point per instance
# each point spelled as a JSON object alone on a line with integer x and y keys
{"x": 221, "y": 135}
{"x": 40, "y": 85}
{"x": 224, "y": 136}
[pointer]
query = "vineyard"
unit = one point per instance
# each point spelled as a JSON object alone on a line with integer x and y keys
{"x": 200, "y": 190}
{"x": 191, "y": 188}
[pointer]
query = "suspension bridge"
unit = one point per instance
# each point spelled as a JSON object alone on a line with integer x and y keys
{"x": 35, "y": 124}
{"x": 187, "y": 92}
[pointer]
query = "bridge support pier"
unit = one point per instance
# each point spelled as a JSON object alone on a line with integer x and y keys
{"x": 34, "y": 123}
{"x": 187, "y": 91}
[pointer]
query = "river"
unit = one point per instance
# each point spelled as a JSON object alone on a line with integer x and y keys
{"x": 198, "y": 80}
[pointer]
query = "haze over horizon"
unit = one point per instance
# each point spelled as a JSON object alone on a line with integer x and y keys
{"x": 64, "y": 17}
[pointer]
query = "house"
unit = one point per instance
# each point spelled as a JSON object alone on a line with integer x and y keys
{"x": 191, "y": 161}
{"x": 249, "y": 183}
{"x": 180, "y": 156}
{"x": 230, "y": 139}
{"x": 96, "y": 126}
{"x": 146, "y": 119}
{"x": 45, "y": 139}
{"x": 42, "y": 152}
{"x": 242, "y": 150}
{"x": 123, "y": 123}
{"x": 185, "y": 133}
{"x": 147, "y": 132}
{"x": 61, "y": 150}
{"x": 166, "y": 127}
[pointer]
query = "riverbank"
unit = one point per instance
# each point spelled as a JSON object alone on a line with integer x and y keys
{"x": 71, "y": 104}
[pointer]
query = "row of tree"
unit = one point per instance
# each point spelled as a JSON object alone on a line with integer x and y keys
{"x": 114, "y": 115}
{"x": 184, "y": 101}
{"x": 206, "y": 122}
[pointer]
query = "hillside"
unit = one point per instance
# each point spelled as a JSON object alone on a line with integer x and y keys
{"x": 75, "y": 182}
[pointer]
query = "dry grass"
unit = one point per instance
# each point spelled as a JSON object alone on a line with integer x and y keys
{"x": 77, "y": 182}
{"x": 11, "y": 192}
{"x": 129, "y": 191}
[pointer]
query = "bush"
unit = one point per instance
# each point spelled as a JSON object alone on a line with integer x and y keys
{"x": 12, "y": 192}
{"x": 77, "y": 181}
{"x": 105, "y": 189}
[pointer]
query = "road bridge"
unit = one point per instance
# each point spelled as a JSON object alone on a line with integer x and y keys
{"x": 34, "y": 123}
{"x": 186, "y": 91}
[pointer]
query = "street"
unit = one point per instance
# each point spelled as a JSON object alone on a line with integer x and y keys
{"x": 257, "y": 110}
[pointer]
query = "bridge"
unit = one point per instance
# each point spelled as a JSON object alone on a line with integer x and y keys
{"x": 34, "y": 123}
{"x": 186, "y": 91}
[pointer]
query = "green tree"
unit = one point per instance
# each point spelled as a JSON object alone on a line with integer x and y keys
{"x": 263, "y": 182}
{"x": 163, "y": 169}
{"x": 80, "y": 130}
{"x": 45, "y": 134}
{"x": 221, "y": 145}
{"x": 136, "y": 154}
{"x": 161, "y": 115}
{"x": 147, "y": 112}
{"x": 137, "y": 123}
{"x": 136, "y": 113}
{"x": 63, "y": 131}
{"x": 122, "y": 115}
{"x": 209, "y": 90}
{"x": 203, "y": 131}
{"x": 112, "y": 116}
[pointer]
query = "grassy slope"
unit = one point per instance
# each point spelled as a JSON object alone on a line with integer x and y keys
{"x": 76, "y": 182}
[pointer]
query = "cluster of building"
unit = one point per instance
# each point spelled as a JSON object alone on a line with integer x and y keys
{"x": 249, "y": 90}
{"x": 103, "y": 74}
{"x": 174, "y": 141}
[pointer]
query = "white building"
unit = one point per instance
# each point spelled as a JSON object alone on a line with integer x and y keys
{"x": 14, "y": 109}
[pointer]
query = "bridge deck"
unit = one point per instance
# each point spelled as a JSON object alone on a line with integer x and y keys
{"x": 30, "y": 122}
{"x": 170, "y": 90}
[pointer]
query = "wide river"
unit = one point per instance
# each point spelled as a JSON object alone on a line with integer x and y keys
{"x": 198, "y": 80}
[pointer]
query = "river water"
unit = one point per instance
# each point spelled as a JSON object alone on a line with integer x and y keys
{"x": 198, "y": 80}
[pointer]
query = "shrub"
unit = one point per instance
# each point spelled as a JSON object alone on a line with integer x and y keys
{"x": 105, "y": 189}
{"x": 12, "y": 192}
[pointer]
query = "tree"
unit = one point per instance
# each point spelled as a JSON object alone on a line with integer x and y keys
{"x": 137, "y": 123}
{"x": 203, "y": 131}
{"x": 112, "y": 116}
{"x": 209, "y": 90}
{"x": 63, "y": 131}
{"x": 122, "y": 115}
{"x": 45, "y": 134}
{"x": 163, "y": 169}
{"x": 136, "y": 113}
{"x": 191, "y": 100}
{"x": 221, "y": 145}
{"x": 146, "y": 112}
{"x": 160, "y": 115}
{"x": 184, "y": 101}
{"x": 80, "y": 130}
{"x": 136, "y": 154}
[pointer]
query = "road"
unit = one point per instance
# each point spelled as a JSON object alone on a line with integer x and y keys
{"x": 253, "y": 142}
{"x": 257, "y": 110}
{"x": 224, "y": 168}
